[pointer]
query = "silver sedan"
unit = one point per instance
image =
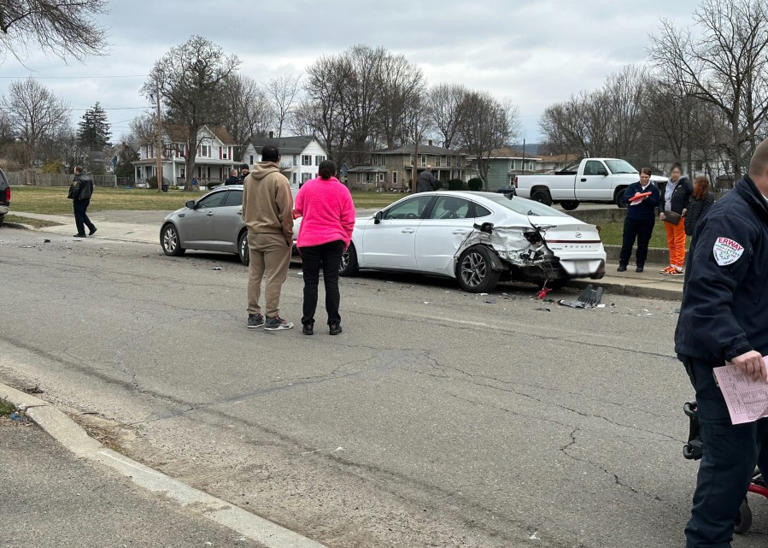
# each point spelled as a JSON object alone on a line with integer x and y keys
{"x": 212, "y": 223}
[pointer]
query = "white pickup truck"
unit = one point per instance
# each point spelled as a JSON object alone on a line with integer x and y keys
{"x": 591, "y": 180}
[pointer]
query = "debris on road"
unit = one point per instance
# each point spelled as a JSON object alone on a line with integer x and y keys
{"x": 543, "y": 309}
{"x": 589, "y": 298}
{"x": 34, "y": 389}
{"x": 490, "y": 300}
{"x": 216, "y": 268}
{"x": 543, "y": 292}
{"x": 46, "y": 241}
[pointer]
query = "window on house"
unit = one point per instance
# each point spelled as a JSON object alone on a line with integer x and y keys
{"x": 205, "y": 150}
{"x": 423, "y": 160}
{"x": 380, "y": 177}
{"x": 448, "y": 160}
{"x": 319, "y": 159}
{"x": 394, "y": 177}
{"x": 295, "y": 160}
{"x": 305, "y": 177}
{"x": 306, "y": 160}
{"x": 250, "y": 158}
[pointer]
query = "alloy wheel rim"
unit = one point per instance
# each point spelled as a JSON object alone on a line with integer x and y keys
{"x": 344, "y": 260}
{"x": 243, "y": 247}
{"x": 169, "y": 241}
{"x": 474, "y": 269}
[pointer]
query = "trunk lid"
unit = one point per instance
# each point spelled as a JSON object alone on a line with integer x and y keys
{"x": 568, "y": 234}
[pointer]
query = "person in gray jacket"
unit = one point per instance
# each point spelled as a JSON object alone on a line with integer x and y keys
{"x": 80, "y": 192}
{"x": 426, "y": 181}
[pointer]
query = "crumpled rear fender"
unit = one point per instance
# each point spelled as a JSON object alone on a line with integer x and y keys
{"x": 510, "y": 246}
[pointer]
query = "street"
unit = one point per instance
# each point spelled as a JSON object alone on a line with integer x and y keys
{"x": 438, "y": 418}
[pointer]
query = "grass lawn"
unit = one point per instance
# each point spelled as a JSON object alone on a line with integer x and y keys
{"x": 37, "y": 223}
{"x": 611, "y": 234}
{"x": 53, "y": 200}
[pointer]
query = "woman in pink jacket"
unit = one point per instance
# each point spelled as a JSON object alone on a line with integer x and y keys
{"x": 328, "y": 219}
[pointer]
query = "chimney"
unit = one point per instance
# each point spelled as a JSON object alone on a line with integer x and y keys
{"x": 271, "y": 134}
{"x": 430, "y": 142}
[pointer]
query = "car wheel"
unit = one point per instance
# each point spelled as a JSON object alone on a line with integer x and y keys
{"x": 242, "y": 248}
{"x": 169, "y": 241}
{"x": 349, "y": 262}
{"x": 618, "y": 197}
{"x": 542, "y": 195}
{"x": 569, "y": 205}
{"x": 475, "y": 270}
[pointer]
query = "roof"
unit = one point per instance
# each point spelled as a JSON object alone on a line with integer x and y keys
{"x": 286, "y": 145}
{"x": 367, "y": 169}
{"x": 177, "y": 133}
{"x": 423, "y": 149}
{"x": 560, "y": 158}
{"x": 510, "y": 152}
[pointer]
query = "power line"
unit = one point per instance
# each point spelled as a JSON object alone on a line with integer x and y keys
{"x": 73, "y": 77}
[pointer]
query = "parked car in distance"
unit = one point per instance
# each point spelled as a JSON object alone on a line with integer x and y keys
{"x": 5, "y": 196}
{"x": 477, "y": 238}
{"x": 212, "y": 223}
{"x": 591, "y": 180}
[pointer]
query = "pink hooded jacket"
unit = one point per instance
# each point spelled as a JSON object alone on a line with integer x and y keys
{"x": 327, "y": 211}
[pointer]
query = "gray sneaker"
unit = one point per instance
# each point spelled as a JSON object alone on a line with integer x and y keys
{"x": 255, "y": 321}
{"x": 277, "y": 323}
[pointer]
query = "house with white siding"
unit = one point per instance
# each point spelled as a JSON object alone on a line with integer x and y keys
{"x": 214, "y": 159}
{"x": 300, "y": 156}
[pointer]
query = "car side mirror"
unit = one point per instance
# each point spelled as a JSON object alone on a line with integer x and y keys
{"x": 191, "y": 204}
{"x": 377, "y": 218}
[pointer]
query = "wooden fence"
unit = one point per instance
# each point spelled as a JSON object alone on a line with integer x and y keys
{"x": 31, "y": 177}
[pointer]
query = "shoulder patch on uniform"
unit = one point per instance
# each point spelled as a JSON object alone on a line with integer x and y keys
{"x": 727, "y": 251}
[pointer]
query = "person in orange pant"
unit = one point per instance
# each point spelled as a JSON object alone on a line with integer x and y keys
{"x": 677, "y": 194}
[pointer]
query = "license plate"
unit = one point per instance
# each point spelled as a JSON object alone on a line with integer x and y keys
{"x": 582, "y": 267}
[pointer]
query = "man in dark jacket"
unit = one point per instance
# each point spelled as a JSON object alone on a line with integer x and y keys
{"x": 723, "y": 321}
{"x": 80, "y": 193}
{"x": 426, "y": 181}
{"x": 641, "y": 217}
{"x": 233, "y": 178}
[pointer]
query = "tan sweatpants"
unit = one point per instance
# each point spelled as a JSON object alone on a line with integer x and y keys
{"x": 270, "y": 257}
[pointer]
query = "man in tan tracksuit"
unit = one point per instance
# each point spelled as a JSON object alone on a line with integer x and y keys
{"x": 268, "y": 213}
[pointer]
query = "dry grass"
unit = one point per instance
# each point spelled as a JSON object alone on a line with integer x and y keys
{"x": 36, "y": 223}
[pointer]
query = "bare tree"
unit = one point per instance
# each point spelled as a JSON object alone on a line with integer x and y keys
{"x": 62, "y": 26}
{"x": 485, "y": 127}
{"x": 401, "y": 88}
{"x": 283, "y": 94}
{"x": 34, "y": 113}
{"x": 447, "y": 107}
{"x": 248, "y": 110}
{"x": 189, "y": 80}
{"x": 723, "y": 60}
{"x": 418, "y": 122}
{"x": 142, "y": 131}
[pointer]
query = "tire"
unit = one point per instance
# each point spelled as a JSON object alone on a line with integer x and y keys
{"x": 618, "y": 197}
{"x": 2, "y": 219}
{"x": 242, "y": 248}
{"x": 542, "y": 195}
{"x": 169, "y": 241}
{"x": 349, "y": 265}
{"x": 744, "y": 520}
{"x": 474, "y": 271}
{"x": 569, "y": 205}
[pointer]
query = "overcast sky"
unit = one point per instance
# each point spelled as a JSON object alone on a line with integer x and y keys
{"x": 532, "y": 52}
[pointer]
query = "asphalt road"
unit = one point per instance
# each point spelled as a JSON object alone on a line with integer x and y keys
{"x": 438, "y": 418}
{"x": 50, "y": 498}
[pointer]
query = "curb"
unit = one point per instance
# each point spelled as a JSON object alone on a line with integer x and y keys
{"x": 632, "y": 290}
{"x": 75, "y": 439}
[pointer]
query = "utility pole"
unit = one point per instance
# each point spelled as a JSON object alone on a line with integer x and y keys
{"x": 159, "y": 144}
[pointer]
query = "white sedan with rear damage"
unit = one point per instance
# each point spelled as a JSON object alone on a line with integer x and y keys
{"x": 478, "y": 238}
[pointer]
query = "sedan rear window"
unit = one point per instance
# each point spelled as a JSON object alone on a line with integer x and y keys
{"x": 525, "y": 207}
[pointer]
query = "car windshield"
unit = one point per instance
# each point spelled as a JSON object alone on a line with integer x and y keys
{"x": 525, "y": 207}
{"x": 620, "y": 166}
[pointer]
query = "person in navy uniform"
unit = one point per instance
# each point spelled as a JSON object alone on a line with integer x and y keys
{"x": 641, "y": 217}
{"x": 724, "y": 321}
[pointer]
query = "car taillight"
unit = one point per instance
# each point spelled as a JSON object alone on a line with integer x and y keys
{"x": 515, "y": 181}
{"x": 8, "y": 195}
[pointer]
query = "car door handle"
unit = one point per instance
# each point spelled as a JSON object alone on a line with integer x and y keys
{"x": 408, "y": 231}
{"x": 210, "y": 213}
{"x": 583, "y": 179}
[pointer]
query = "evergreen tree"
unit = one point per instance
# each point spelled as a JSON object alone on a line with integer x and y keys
{"x": 93, "y": 130}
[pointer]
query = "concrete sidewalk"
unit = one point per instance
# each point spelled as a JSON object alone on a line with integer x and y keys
{"x": 142, "y": 232}
{"x": 49, "y": 497}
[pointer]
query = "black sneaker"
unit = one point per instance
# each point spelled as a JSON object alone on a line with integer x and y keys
{"x": 277, "y": 324}
{"x": 308, "y": 328}
{"x": 639, "y": 269}
{"x": 335, "y": 328}
{"x": 79, "y": 236}
{"x": 92, "y": 231}
{"x": 255, "y": 321}
{"x": 622, "y": 268}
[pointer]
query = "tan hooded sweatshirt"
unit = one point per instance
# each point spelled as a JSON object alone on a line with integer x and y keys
{"x": 267, "y": 201}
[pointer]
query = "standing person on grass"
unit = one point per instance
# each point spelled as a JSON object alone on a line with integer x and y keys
{"x": 80, "y": 193}
{"x": 641, "y": 198}
{"x": 701, "y": 200}
{"x": 267, "y": 212}
{"x": 677, "y": 194}
{"x": 328, "y": 219}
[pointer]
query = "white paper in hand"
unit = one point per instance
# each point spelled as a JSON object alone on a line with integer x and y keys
{"x": 747, "y": 400}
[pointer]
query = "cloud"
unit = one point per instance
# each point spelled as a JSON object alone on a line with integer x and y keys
{"x": 533, "y": 52}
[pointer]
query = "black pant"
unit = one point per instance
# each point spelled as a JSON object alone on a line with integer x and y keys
{"x": 81, "y": 218}
{"x": 328, "y": 257}
{"x": 729, "y": 457}
{"x": 641, "y": 230}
